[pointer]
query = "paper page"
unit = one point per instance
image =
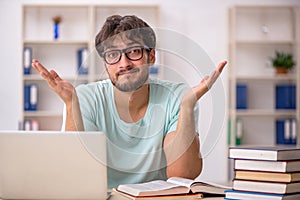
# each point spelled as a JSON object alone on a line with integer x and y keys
{"x": 149, "y": 186}
{"x": 181, "y": 181}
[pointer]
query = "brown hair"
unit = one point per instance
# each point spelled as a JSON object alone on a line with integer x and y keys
{"x": 130, "y": 26}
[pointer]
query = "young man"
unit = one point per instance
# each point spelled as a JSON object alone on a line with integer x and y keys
{"x": 150, "y": 124}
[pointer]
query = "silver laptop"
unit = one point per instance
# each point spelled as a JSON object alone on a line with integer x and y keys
{"x": 52, "y": 165}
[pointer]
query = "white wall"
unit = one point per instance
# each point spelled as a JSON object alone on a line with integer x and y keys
{"x": 204, "y": 22}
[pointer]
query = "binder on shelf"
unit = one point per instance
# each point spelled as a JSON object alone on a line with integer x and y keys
{"x": 27, "y": 125}
{"x": 27, "y": 57}
{"x": 153, "y": 69}
{"x": 30, "y": 97}
{"x": 31, "y": 125}
{"x": 239, "y": 132}
{"x": 82, "y": 61}
{"x": 241, "y": 96}
{"x": 286, "y": 132}
{"x": 286, "y": 96}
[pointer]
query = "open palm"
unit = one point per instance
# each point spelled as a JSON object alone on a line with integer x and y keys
{"x": 63, "y": 88}
{"x": 193, "y": 95}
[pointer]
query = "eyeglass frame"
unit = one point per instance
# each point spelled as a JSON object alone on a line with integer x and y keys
{"x": 123, "y": 51}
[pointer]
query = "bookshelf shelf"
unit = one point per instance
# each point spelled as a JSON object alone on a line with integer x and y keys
{"x": 37, "y": 77}
{"x": 264, "y": 42}
{"x": 56, "y": 42}
{"x": 274, "y": 78}
{"x": 77, "y": 29}
{"x": 43, "y": 114}
{"x": 256, "y": 32}
{"x": 264, "y": 113}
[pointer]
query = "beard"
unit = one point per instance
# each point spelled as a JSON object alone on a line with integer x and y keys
{"x": 132, "y": 81}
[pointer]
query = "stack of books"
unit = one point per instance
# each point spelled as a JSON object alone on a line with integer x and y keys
{"x": 265, "y": 173}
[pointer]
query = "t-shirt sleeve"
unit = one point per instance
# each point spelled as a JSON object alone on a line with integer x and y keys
{"x": 174, "y": 120}
{"x": 88, "y": 115}
{"x": 176, "y": 101}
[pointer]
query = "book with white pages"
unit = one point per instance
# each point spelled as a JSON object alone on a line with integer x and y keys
{"x": 270, "y": 166}
{"x": 172, "y": 186}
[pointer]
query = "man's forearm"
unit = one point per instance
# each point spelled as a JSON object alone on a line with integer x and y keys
{"x": 182, "y": 147}
{"x": 73, "y": 117}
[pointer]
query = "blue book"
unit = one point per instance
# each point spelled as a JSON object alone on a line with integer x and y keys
{"x": 286, "y": 131}
{"x": 26, "y": 97}
{"x": 285, "y": 96}
{"x": 153, "y": 69}
{"x": 27, "y": 57}
{"x": 283, "y": 134}
{"x": 236, "y": 194}
{"x": 82, "y": 61}
{"x": 241, "y": 96}
{"x": 292, "y": 97}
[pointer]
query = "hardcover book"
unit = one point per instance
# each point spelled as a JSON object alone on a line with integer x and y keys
{"x": 234, "y": 194}
{"x": 274, "y": 153}
{"x": 266, "y": 187}
{"x": 267, "y": 176}
{"x": 269, "y": 166}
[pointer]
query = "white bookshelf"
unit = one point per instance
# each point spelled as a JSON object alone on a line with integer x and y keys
{"x": 255, "y": 33}
{"x": 79, "y": 26}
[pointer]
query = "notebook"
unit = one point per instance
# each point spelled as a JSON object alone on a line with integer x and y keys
{"x": 52, "y": 165}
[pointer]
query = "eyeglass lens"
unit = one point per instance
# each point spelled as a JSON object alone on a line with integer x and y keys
{"x": 132, "y": 53}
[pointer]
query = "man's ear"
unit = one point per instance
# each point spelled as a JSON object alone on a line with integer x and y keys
{"x": 152, "y": 56}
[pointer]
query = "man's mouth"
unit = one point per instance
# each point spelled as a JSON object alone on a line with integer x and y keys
{"x": 128, "y": 71}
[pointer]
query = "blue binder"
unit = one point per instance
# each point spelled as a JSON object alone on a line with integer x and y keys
{"x": 27, "y": 57}
{"x": 30, "y": 97}
{"x": 82, "y": 61}
{"x": 286, "y": 131}
{"x": 241, "y": 96}
{"x": 285, "y": 96}
{"x": 27, "y": 97}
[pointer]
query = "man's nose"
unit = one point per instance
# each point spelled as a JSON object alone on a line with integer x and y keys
{"x": 124, "y": 61}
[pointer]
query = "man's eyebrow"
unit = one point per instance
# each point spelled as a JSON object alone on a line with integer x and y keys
{"x": 127, "y": 44}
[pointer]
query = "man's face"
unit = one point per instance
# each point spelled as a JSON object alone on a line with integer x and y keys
{"x": 131, "y": 71}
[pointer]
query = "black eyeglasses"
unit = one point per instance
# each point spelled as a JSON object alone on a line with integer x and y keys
{"x": 132, "y": 53}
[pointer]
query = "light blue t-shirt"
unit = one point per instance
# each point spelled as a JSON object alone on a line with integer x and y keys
{"x": 134, "y": 150}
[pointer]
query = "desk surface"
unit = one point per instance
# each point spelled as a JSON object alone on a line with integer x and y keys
{"x": 114, "y": 197}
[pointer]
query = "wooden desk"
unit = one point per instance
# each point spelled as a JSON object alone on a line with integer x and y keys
{"x": 115, "y": 196}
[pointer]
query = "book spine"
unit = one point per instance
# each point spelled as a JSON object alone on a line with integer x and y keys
{"x": 30, "y": 97}
{"x": 241, "y": 96}
{"x": 154, "y": 69}
{"x": 35, "y": 125}
{"x": 31, "y": 125}
{"x": 33, "y": 97}
{"x": 26, "y": 97}
{"x": 239, "y": 131}
{"x": 27, "y": 125}
{"x": 292, "y": 96}
{"x": 286, "y": 132}
{"x": 27, "y": 57}
{"x": 82, "y": 61}
{"x": 285, "y": 96}
{"x": 293, "y": 132}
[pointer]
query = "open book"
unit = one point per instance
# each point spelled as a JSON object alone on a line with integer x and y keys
{"x": 172, "y": 186}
